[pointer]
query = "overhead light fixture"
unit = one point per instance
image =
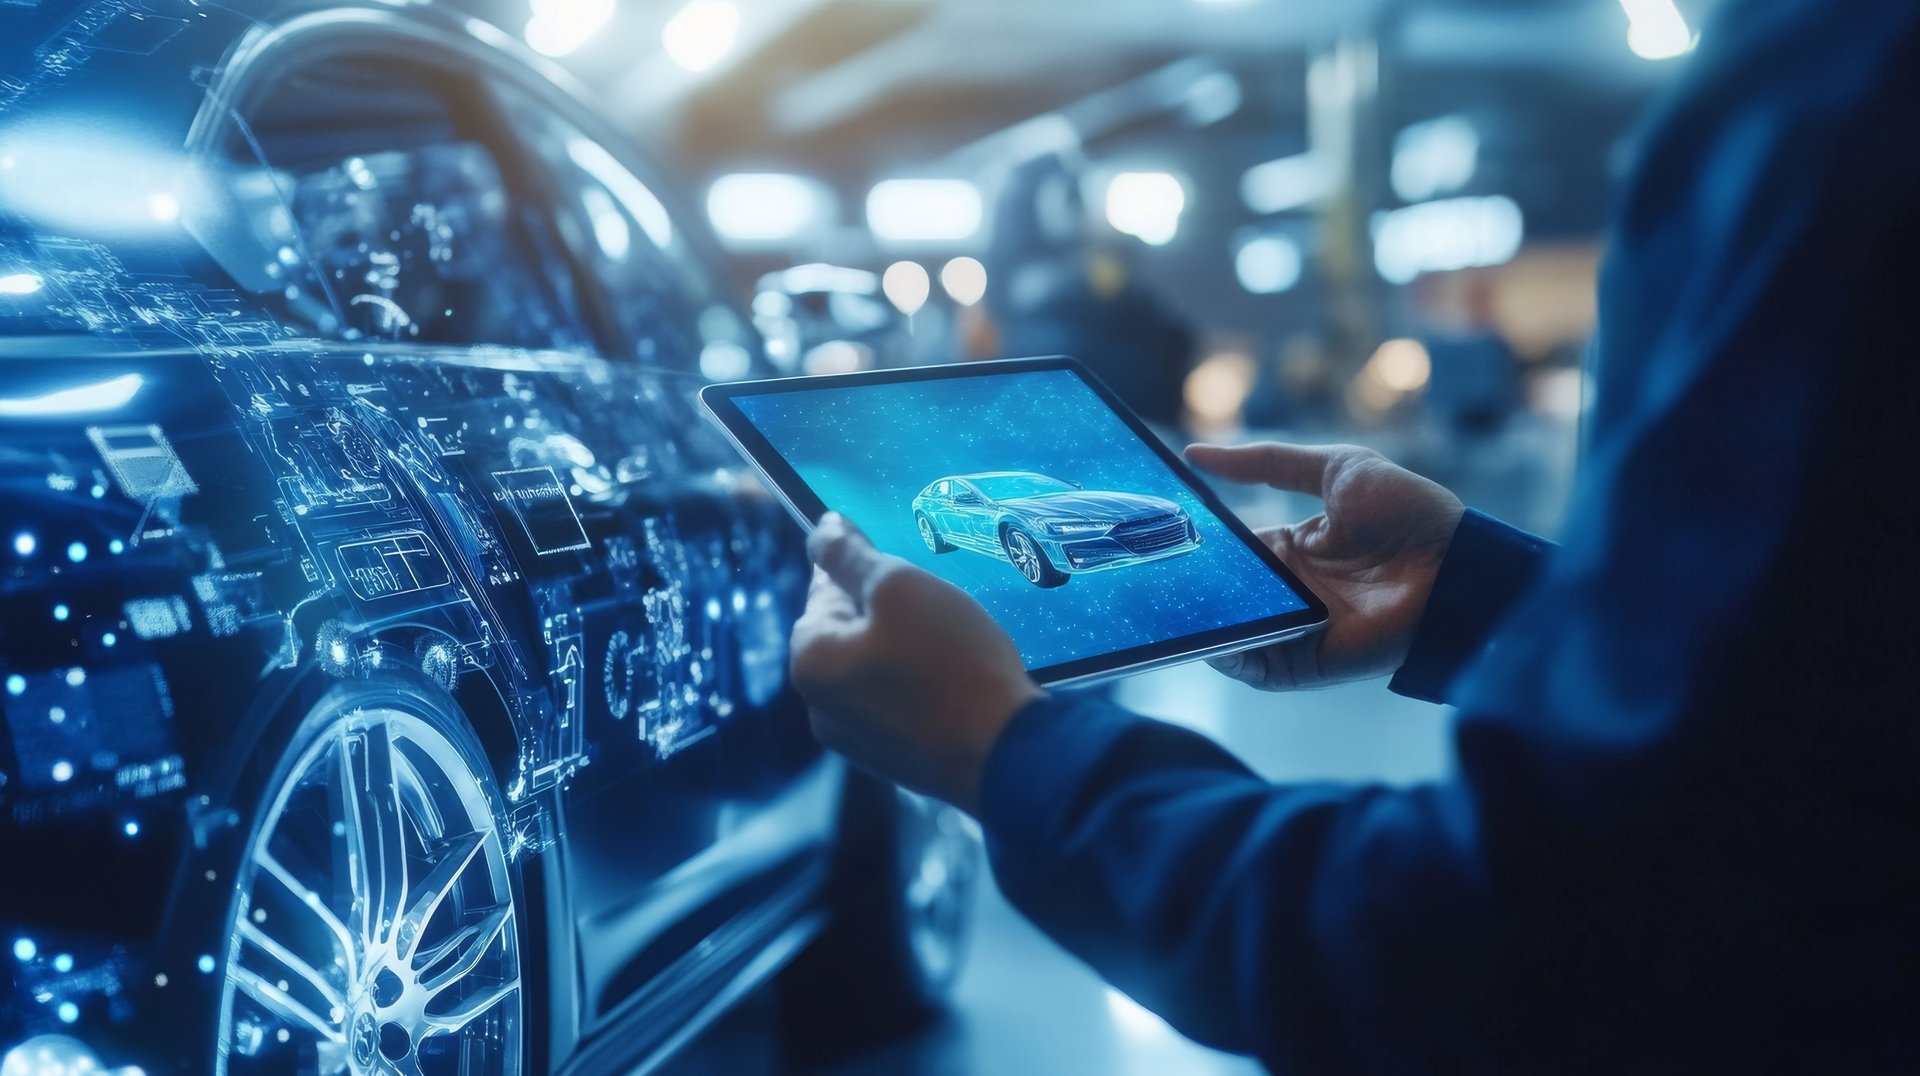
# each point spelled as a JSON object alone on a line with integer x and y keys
{"x": 701, "y": 34}
{"x": 1288, "y": 183}
{"x": 559, "y": 27}
{"x": 766, "y": 207}
{"x": 1434, "y": 158}
{"x": 1656, "y": 30}
{"x": 1146, "y": 205}
{"x": 907, "y": 286}
{"x": 924, "y": 210}
{"x": 1268, "y": 265}
{"x": 965, "y": 280}
{"x": 1437, "y": 237}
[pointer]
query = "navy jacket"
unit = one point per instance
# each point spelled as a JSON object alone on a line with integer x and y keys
{"x": 1683, "y": 836}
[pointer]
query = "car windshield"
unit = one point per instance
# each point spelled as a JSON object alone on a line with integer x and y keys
{"x": 1008, "y": 486}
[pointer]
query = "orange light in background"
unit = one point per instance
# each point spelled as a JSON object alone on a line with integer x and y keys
{"x": 1402, "y": 365}
{"x": 1217, "y": 389}
{"x": 1398, "y": 369}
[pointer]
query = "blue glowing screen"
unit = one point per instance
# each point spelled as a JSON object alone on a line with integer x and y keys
{"x": 1028, "y": 492}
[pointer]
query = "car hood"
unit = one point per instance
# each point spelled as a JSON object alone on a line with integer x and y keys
{"x": 1102, "y": 505}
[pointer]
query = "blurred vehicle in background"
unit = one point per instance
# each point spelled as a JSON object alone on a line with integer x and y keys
{"x": 828, "y": 319}
{"x": 394, "y": 660}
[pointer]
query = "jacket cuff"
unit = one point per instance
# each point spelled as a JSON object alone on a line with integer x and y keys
{"x": 1487, "y": 568}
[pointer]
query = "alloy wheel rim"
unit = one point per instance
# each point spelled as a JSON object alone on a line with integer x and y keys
{"x": 375, "y": 927}
{"x": 926, "y": 532}
{"x": 1025, "y": 557}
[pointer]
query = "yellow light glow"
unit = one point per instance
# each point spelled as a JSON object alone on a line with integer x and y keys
{"x": 1402, "y": 365}
{"x": 1218, "y": 388}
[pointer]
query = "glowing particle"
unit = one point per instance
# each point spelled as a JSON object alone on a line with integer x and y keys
{"x": 205, "y": 964}
{"x": 283, "y": 1035}
{"x": 63, "y": 771}
{"x": 24, "y": 949}
{"x": 24, "y": 544}
{"x": 132, "y": 828}
{"x": 109, "y": 639}
{"x": 259, "y": 915}
{"x": 76, "y": 676}
{"x": 210, "y": 876}
{"x": 77, "y": 552}
{"x": 63, "y": 963}
{"x": 98, "y": 491}
{"x": 116, "y": 547}
{"x": 61, "y": 612}
{"x": 16, "y": 684}
{"x": 57, "y": 714}
{"x": 160, "y": 979}
{"x": 68, "y": 1012}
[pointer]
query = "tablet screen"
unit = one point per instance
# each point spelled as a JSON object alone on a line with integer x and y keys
{"x": 1028, "y": 491}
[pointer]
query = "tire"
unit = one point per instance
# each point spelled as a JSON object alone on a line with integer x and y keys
{"x": 1030, "y": 560}
{"x": 901, "y": 901}
{"x": 934, "y": 543}
{"x": 376, "y": 886}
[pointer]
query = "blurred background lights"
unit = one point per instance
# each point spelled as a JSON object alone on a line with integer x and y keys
{"x": 1656, "y": 30}
{"x": 701, "y": 34}
{"x": 1434, "y": 158}
{"x": 1435, "y": 237}
{"x": 924, "y": 210}
{"x": 725, "y": 361}
{"x": 1218, "y": 387}
{"x": 1146, "y": 205}
{"x": 132, "y": 828}
{"x": 63, "y": 771}
{"x": 58, "y": 1055}
{"x": 965, "y": 280}
{"x": 1402, "y": 365}
{"x": 25, "y": 543}
{"x": 19, "y": 284}
{"x": 24, "y": 949}
{"x": 1268, "y": 265}
{"x": 63, "y": 962}
{"x": 1287, "y": 183}
{"x": 163, "y": 206}
{"x": 559, "y": 27}
{"x": 907, "y": 286}
{"x": 77, "y": 552}
{"x": 766, "y": 207}
{"x": 16, "y": 684}
{"x": 68, "y": 1013}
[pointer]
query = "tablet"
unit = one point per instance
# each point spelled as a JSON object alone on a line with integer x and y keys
{"x": 1029, "y": 485}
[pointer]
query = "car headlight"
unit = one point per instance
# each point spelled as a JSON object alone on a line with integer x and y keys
{"x": 1076, "y": 528}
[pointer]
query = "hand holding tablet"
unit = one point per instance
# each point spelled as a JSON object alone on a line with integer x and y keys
{"x": 1027, "y": 485}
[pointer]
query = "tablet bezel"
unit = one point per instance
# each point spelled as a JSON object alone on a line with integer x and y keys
{"x": 807, "y": 508}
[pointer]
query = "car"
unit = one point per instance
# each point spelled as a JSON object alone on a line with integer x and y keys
{"x": 394, "y": 663}
{"x": 1050, "y": 530}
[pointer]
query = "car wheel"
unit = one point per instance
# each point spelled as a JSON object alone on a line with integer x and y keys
{"x": 931, "y": 537}
{"x": 1029, "y": 561}
{"x": 901, "y": 901}
{"x": 375, "y": 927}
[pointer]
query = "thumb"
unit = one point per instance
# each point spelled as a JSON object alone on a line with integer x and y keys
{"x": 1295, "y": 468}
{"x": 845, "y": 553}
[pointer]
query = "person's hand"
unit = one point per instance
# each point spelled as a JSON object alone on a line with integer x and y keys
{"x": 906, "y": 674}
{"x": 1372, "y": 555}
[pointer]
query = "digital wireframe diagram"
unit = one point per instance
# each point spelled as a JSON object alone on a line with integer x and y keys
{"x": 365, "y": 565}
{"x": 1049, "y": 529}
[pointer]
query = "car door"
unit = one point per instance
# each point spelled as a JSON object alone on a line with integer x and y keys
{"x": 975, "y": 517}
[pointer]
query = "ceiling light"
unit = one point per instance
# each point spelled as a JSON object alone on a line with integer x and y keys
{"x": 702, "y": 34}
{"x": 907, "y": 286}
{"x": 924, "y": 210}
{"x": 1146, "y": 205}
{"x": 965, "y": 280}
{"x": 766, "y": 207}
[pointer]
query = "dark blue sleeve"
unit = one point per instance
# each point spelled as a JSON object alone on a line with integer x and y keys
{"x": 1489, "y": 566}
{"x": 1679, "y": 834}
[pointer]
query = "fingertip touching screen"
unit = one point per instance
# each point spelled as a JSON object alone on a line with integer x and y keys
{"x": 1024, "y": 485}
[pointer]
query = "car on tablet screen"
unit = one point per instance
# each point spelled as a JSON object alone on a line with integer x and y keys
{"x": 392, "y": 660}
{"x": 1050, "y": 530}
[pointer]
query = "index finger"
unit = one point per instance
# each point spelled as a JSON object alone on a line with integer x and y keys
{"x": 846, "y": 555}
{"x": 1295, "y": 468}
